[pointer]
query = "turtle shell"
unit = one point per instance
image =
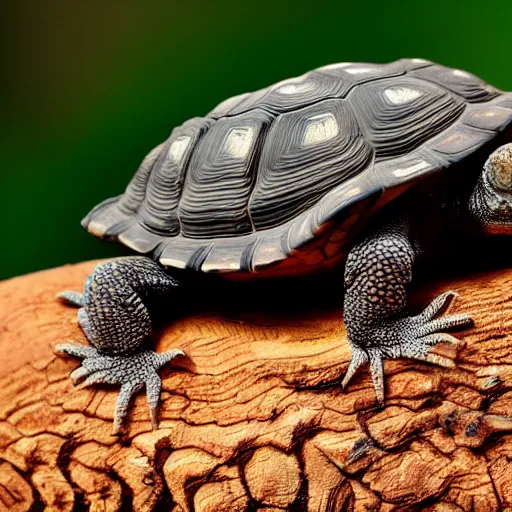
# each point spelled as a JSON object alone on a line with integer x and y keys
{"x": 288, "y": 172}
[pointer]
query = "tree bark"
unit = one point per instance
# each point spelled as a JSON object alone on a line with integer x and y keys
{"x": 253, "y": 418}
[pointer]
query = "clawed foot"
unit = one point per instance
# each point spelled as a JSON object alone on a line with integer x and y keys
{"x": 132, "y": 372}
{"x": 411, "y": 337}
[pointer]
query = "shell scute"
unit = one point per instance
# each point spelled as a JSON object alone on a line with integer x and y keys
{"x": 292, "y": 93}
{"x": 114, "y": 215}
{"x": 399, "y": 114}
{"x": 159, "y": 209}
{"x": 462, "y": 83}
{"x": 221, "y": 175}
{"x": 458, "y": 139}
{"x": 308, "y": 152}
{"x": 489, "y": 117}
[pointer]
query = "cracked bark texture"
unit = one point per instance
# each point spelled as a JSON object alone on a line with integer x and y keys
{"x": 253, "y": 418}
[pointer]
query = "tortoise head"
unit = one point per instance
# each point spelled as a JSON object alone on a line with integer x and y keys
{"x": 491, "y": 201}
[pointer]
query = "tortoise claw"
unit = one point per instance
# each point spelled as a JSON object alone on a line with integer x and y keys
{"x": 131, "y": 372}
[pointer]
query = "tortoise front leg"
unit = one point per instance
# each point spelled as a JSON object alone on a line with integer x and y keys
{"x": 377, "y": 272}
{"x": 115, "y": 319}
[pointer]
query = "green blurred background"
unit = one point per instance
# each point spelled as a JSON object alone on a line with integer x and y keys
{"x": 91, "y": 87}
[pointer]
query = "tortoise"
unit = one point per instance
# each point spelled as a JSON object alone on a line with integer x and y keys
{"x": 340, "y": 168}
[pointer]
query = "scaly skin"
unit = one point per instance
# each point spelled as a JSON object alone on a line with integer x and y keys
{"x": 377, "y": 272}
{"x": 116, "y": 322}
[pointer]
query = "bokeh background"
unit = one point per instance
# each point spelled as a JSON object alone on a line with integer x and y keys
{"x": 91, "y": 87}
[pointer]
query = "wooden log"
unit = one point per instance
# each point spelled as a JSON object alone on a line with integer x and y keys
{"x": 253, "y": 418}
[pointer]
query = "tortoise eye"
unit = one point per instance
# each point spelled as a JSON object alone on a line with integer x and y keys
{"x": 499, "y": 167}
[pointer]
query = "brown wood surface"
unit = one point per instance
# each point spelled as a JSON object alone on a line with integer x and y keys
{"x": 253, "y": 418}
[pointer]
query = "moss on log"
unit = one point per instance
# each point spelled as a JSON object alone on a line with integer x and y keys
{"x": 253, "y": 418}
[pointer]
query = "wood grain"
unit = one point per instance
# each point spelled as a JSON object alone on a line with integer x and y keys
{"x": 253, "y": 418}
